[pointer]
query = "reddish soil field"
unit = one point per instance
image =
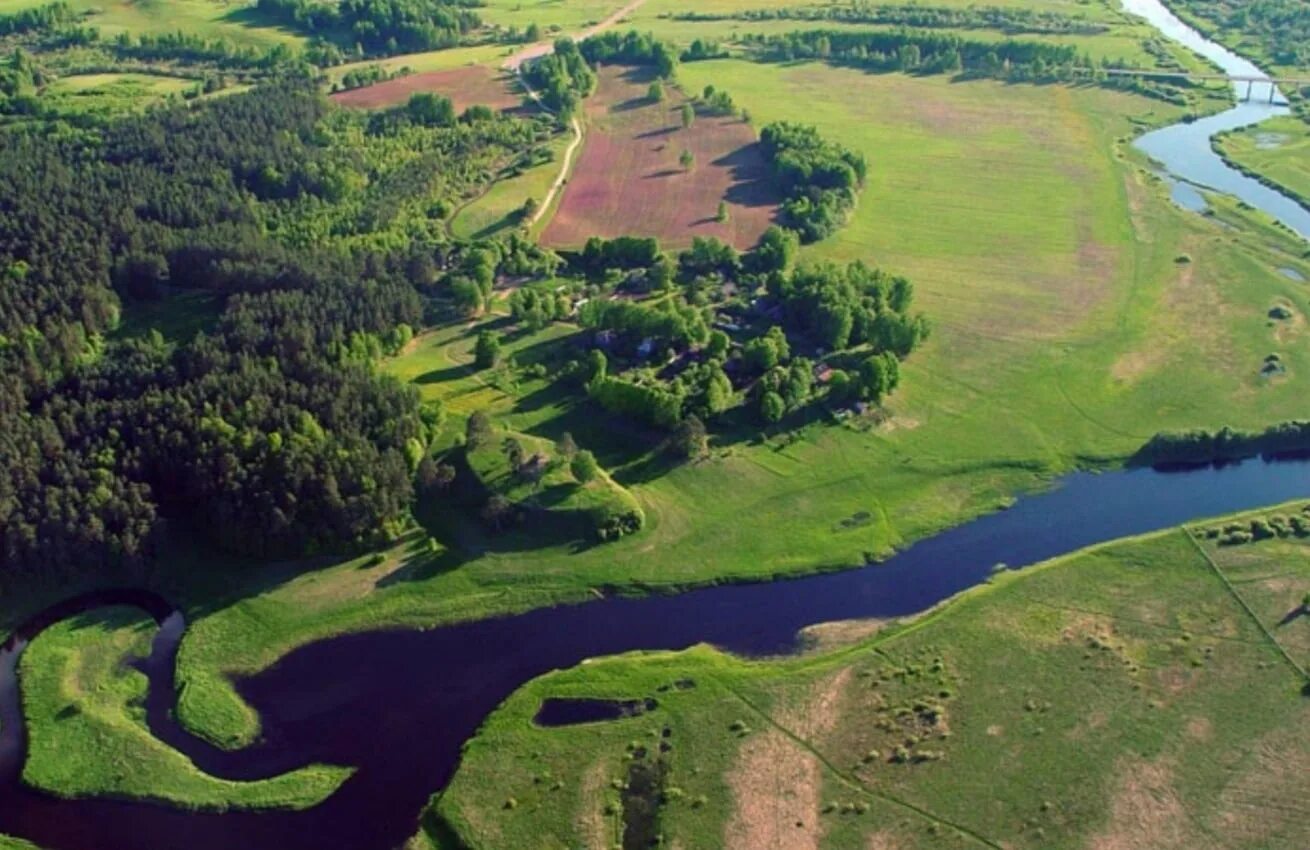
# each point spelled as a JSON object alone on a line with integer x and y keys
{"x": 467, "y": 86}
{"x": 628, "y": 180}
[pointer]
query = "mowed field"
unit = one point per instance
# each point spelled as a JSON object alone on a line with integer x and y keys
{"x": 1123, "y": 698}
{"x": 471, "y": 85}
{"x": 628, "y": 179}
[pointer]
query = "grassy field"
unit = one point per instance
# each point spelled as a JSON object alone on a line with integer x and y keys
{"x": 628, "y": 178}
{"x": 207, "y": 18}
{"x": 1277, "y": 149}
{"x": 1098, "y": 337}
{"x": 498, "y": 210}
{"x": 87, "y": 735}
{"x": 1120, "y": 697}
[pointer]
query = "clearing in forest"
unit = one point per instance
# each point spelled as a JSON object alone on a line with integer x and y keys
{"x": 471, "y": 85}
{"x": 629, "y": 179}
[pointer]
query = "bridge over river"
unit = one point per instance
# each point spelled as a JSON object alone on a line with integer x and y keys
{"x": 1251, "y": 80}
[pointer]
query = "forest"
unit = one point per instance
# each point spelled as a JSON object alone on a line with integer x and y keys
{"x": 379, "y": 27}
{"x": 269, "y": 433}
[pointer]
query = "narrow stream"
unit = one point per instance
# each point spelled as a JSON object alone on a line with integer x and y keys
{"x": 400, "y": 705}
{"x": 1184, "y": 149}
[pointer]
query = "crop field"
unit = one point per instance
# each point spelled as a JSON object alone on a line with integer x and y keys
{"x": 471, "y": 85}
{"x": 628, "y": 178}
{"x": 1122, "y": 697}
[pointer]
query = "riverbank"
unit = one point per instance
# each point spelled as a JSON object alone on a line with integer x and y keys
{"x": 1035, "y": 711}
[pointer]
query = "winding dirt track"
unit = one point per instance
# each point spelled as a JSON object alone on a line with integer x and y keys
{"x": 542, "y": 48}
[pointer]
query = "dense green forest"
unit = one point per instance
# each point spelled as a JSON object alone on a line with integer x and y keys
{"x": 377, "y": 26}
{"x": 270, "y": 433}
{"x": 1282, "y": 27}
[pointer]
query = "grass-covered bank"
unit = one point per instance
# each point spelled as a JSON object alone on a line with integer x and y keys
{"x": 1125, "y": 317}
{"x": 1134, "y": 694}
{"x": 1275, "y": 152}
{"x": 87, "y": 734}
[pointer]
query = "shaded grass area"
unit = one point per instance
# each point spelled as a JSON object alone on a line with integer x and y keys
{"x": 1118, "y": 697}
{"x": 83, "y": 703}
{"x": 1067, "y": 333}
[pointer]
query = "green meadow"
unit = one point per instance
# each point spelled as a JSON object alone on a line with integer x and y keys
{"x": 1123, "y": 696}
{"x": 207, "y": 18}
{"x": 1140, "y": 694}
{"x": 1076, "y": 313}
{"x": 87, "y": 735}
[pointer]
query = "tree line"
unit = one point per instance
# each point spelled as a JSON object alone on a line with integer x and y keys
{"x": 1009, "y": 20}
{"x": 377, "y": 26}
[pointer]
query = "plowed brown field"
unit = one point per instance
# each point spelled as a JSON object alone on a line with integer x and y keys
{"x": 628, "y": 180}
{"x": 467, "y": 86}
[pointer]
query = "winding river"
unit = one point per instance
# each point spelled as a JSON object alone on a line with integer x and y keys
{"x": 399, "y": 705}
{"x": 1184, "y": 150}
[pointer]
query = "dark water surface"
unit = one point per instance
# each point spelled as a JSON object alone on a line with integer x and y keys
{"x": 399, "y": 705}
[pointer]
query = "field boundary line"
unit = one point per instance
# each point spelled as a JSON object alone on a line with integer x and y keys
{"x": 1245, "y": 607}
{"x": 855, "y": 784}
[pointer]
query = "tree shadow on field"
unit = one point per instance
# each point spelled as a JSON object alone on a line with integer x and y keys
{"x": 650, "y": 134}
{"x": 752, "y": 184}
{"x": 1295, "y": 614}
{"x": 631, "y": 104}
{"x": 663, "y": 172}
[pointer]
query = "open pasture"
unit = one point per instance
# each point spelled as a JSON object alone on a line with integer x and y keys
{"x": 629, "y": 181}
{"x": 471, "y": 85}
{"x": 1067, "y": 332}
{"x": 1121, "y": 697}
{"x": 233, "y": 21}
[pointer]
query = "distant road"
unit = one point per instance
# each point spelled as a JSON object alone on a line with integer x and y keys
{"x": 534, "y": 51}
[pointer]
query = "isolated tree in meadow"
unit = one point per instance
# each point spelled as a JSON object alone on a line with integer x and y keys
{"x": 688, "y": 115}
{"x": 498, "y": 511}
{"x": 722, "y": 214}
{"x": 584, "y": 467}
{"x": 528, "y": 210}
{"x": 772, "y": 407}
{"x": 597, "y": 365}
{"x": 513, "y": 453}
{"x": 691, "y": 441}
{"x": 655, "y": 93}
{"x": 532, "y": 33}
{"x": 487, "y": 350}
{"x": 565, "y": 447}
{"x": 477, "y": 431}
{"x": 686, "y": 160}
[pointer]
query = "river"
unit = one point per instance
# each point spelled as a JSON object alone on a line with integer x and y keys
{"x": 1184, "y": 150}
{"x": 399, "y": 705}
